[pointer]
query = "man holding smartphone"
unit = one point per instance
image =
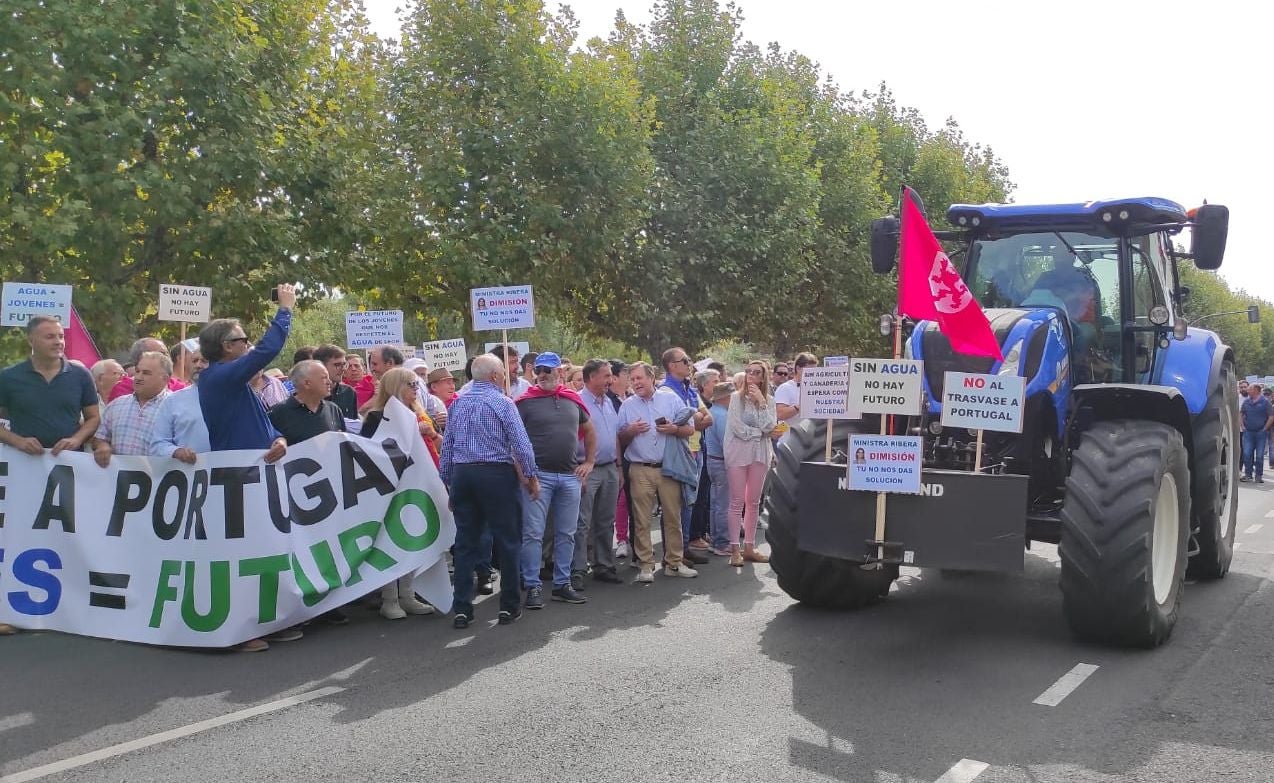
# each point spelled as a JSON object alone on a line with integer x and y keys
{"x": 646, "y": 421}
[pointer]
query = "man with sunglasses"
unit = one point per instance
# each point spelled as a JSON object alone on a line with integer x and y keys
{"x": 679, "y": 370}
{"x": 556, "y": 419}
{"x": 787, "y": 397}
{"x": 234, "y": 414}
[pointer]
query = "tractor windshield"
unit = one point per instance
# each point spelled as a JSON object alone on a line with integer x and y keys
{"x": 1065, "y": 270}
{"x": 1073, "y": 272}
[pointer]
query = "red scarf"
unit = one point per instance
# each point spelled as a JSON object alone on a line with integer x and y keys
{"x": 563, "y": 391}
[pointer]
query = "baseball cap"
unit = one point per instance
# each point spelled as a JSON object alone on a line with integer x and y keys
{"x": 548, "y": 359}
{"x": 412, "y": 364}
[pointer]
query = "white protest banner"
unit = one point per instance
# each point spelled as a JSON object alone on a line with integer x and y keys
{"x": 1253, "y": 379}
{"x": 835, "y": 361}
{"x": 886, "y": 463}
{"x": 186, "y": 303}
{"x": 523, "y": 348}
{"x": 23, "y": 300}
{"x": 445, "y": 354}
{"x": 508, "y": 307}
{"x": 825, "y": 393}
{"x": 409, "y": 352}
{"x": 224, "y": 550}
{"x": 370, "y": 328}
{"x": 1267, "y": 380}
{"x": 983, "y": 402}
{"x": 886, "y": 386}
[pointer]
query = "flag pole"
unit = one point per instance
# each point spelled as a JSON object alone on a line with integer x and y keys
{"x": 977, "y": 457}
{"x": 181, "y": 370}
{"x": 504, "y": 338}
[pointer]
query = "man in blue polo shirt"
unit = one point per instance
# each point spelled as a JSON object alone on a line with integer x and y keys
{"x": 49, "y": 402}
{"x": 1258, "y": 417}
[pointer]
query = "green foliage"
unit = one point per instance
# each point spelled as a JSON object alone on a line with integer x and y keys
{"x": 210, "y": 144}
{"x": 670, "y": 184}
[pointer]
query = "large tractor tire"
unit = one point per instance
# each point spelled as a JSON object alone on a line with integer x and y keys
{"x": 1215, "y": 477}
{"x": 1125, "y": 527}
{"x": 813, "y": 579}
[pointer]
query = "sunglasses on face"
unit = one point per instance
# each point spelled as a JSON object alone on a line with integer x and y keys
{"x": 781, "y": 372}
{"x": 545, "y": 370}
{"x": 233, "y": 340}
{"x": 682, "y": 360}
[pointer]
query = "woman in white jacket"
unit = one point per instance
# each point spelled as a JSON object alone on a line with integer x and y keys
{"x": 748, "y": 450}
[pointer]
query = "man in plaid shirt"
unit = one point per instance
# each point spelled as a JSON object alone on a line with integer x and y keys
{"x": 127, "y": 422}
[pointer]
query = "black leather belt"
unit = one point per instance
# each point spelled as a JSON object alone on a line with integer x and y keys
{"x": 648, "y": 464}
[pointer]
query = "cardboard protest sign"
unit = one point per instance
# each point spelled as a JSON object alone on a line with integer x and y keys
{"x": 186, "y": 303}
{"x": 445, "y": 354}
{"x": 21, "y": 301}
{"x": 825, "y": 393}
{"x": 983, "y": 402}
{"x": 224, "y": 550}
{"x": 886, "y": 463}
{"x": 370, "y": 328}
{"x": 507, "y": 307}
{"x": 886, "y": 386}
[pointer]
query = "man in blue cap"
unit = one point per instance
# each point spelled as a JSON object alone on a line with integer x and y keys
{"x": 556, "y": 419}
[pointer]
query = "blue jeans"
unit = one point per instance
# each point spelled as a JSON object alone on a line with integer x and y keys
{"x": 1254, "y": 452}
{"x": 484, "y": 501}
{"x": 559, "y": 497}
{"x": 720, "y": 522}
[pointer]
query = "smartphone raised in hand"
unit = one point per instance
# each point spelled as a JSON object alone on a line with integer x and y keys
{"x": 661, "y": 420}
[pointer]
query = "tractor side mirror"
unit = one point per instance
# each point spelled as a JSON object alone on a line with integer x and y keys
{"x": 1254, "y": 315}
{"x": 1208, "y": 234}
{"x": 884, "y": 244}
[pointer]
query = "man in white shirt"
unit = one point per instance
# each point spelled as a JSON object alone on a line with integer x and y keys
{"x": 787, "y": 398}
{"x": 645, "y": 424}
{"x": 517, "y": 384}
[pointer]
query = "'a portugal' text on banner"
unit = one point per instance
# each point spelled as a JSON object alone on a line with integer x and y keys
{"x": 225, "y": 550}
{"x": 929, "y": 287}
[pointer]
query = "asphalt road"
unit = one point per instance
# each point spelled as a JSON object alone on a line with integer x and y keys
{"x": 719, "y": 678}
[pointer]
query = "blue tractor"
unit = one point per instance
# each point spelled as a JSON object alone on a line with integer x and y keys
{"x": 1128, "y": 458}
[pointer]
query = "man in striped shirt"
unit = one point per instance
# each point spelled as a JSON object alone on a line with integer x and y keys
{"x": 129, "y": 420}
{"x": 485, "y": 453}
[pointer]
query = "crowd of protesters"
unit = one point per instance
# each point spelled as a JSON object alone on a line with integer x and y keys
{"x": 555, "y": 471}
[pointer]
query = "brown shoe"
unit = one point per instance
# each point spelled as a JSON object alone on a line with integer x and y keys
{"x": 752, "y": 556}
{"x": 736, "y": 558}
{"x": 252, "y": 645}
{"x": 7, "y": 630}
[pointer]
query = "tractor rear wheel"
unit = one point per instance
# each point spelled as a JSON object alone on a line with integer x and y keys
{"x": 813, "y": 579}
{"x": 1216, "y": 477}
{"x": 1125, "y": 525}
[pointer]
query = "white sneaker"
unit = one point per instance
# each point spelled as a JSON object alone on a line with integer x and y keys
{"x": 683, "y": 571}
{"x": 621, "y": 549}
{"x": 390, "y": 610}
{"x": 646, "y": 576}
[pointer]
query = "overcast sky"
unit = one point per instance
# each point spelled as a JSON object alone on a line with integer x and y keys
{"x": 1083, "y": 100}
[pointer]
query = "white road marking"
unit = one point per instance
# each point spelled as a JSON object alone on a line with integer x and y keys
{"x": 1269, "y": 514}
{"x": 460, "y": 642}
{"x": 964, "y": 771}
{"x": 1060, "y": 689}
{"x": 1253, "y": 529}
{"x": 84, "y": 759}
{"x": 17, "y": 721}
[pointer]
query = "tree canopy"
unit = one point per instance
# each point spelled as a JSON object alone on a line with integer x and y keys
{"x": 671, "y": 183}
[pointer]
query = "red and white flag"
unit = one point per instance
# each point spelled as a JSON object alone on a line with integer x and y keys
{"x": 929, "y": 287}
